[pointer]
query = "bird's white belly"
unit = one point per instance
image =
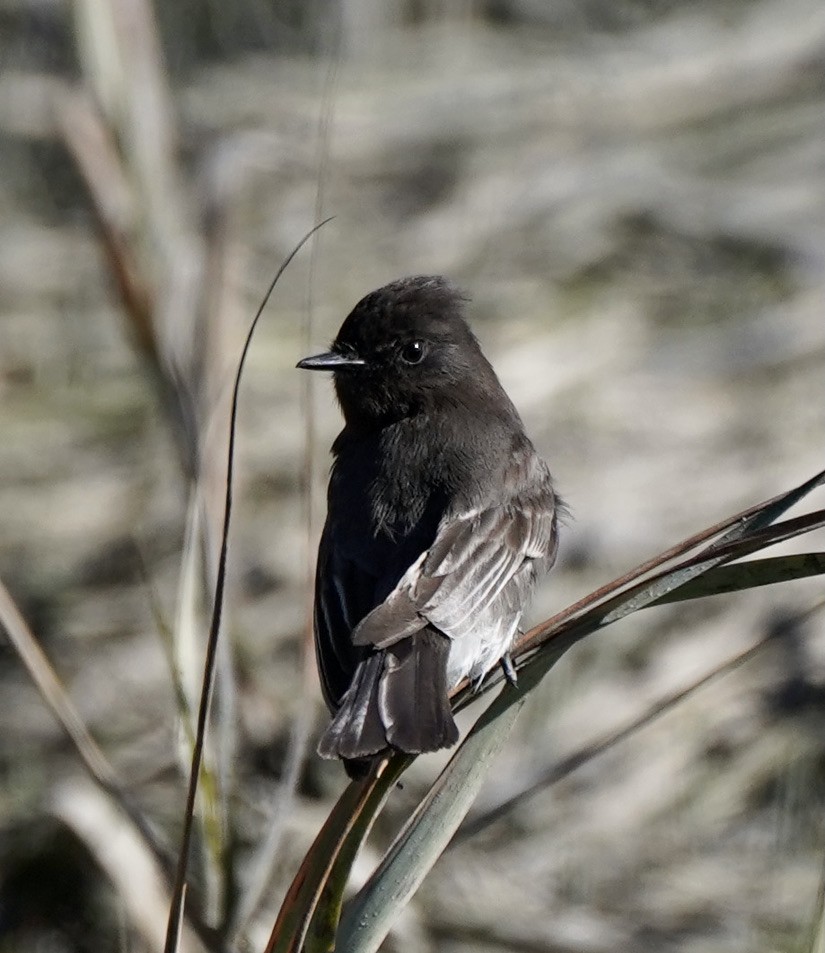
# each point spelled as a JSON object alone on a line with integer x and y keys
{"x": 477, "y": 651}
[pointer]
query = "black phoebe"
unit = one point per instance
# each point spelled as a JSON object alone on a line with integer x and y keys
{"x": 441, "y": 517}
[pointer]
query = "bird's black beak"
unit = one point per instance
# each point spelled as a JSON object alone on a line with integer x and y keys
{"x": 331, "y": 361}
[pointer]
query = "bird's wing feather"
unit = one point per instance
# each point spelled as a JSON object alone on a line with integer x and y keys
{"x": 474, "y": 559}
{"x": 343, "y": 595}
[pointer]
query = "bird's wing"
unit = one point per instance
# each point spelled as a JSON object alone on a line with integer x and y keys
{"x": 472, "y": 565}
{"x": 343, "y": 596}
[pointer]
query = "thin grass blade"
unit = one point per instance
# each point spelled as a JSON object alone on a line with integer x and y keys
{"x": 215, "y": 624}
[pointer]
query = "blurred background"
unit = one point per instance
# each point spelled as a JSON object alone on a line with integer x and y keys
{"x": 631, "y": 193}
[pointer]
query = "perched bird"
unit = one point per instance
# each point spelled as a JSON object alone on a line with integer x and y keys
{"x": 441, "y": 517}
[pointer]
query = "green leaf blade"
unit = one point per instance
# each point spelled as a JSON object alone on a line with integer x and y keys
{"x": 748, "y": 575}
{"x": 370, "y": 916}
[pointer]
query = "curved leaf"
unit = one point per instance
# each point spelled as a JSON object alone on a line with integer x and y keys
{"x": 749, "y": 575}
{"x": 310, "y": 910}
{"x": 371, "y": 914}
{"x": 323, "y": 928}
{"x": 302, "y": 897}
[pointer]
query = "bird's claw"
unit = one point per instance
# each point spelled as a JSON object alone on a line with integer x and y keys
{"x": 508, "y": 668}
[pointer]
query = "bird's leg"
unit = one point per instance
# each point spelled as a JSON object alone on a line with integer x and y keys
{"x": 477, "y": 682}
{"x": 508, "y": 668}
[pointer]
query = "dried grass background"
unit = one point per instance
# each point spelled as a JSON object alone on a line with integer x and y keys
{"x": 632, "y": 194}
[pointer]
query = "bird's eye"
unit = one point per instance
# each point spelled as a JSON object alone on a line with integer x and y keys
{"x": 413, "y": 353}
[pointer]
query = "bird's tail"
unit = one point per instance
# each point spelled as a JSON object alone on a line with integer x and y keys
{"x": 398, "y": 698}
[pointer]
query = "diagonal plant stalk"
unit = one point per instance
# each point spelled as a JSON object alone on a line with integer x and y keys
{"x": 567, "y": 765}
{"x": 326, "y": 866}
{"x": 621, "y": 597}
{"x": 324, "y": 924}
{"x": 818, "y": 926}
{"x": 679, "y": 549}
{"x": 732, "y": 528}
{"x": 370, "y": 915}
{"x": 91, "y": 757}
{"x": 757, "y": 572}
{"x": 59, "y": 702}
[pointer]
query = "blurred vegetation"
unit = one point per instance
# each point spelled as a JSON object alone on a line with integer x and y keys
{"x": 632, "y": 195}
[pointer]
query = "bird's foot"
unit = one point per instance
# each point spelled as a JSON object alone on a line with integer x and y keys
{"x": 508, "y": 669}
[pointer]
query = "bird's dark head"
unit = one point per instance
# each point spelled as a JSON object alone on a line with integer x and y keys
{"x": 403, "y": 349}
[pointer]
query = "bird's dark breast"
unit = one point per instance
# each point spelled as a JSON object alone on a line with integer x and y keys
{"x": 381, "y": 517}
{"x": 385, "y": 505}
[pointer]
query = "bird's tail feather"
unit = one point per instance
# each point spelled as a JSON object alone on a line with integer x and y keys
{"x": 398, "y": 698}
{"x": 356, "y": 730}
{"x": 413, "y": 700}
